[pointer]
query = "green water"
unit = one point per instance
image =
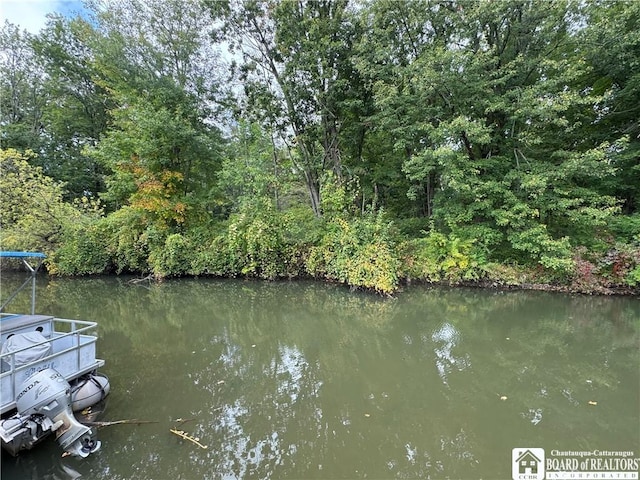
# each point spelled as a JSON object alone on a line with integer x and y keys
{"x": 306, "y": 380}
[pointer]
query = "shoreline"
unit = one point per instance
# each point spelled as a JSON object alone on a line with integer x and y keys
{"x": 605, "y": 291}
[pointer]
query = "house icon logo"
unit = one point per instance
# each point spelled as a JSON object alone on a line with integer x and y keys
{"x": 527, "y": 463}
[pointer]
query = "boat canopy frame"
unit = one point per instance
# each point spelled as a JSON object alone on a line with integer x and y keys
{"x": 32, "y": 261}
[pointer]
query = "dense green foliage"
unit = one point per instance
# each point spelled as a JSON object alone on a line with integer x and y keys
{"x": 363, "y": 142}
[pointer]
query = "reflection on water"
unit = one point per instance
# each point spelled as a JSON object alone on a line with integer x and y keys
{"x": 445, "y": 338}
{"x": 259, "y": 446}
{"x": 304, "y": 380}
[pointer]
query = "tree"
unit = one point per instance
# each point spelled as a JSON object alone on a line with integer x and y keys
{"x": 481, "y": 99}
{"x": 158, "y": 154}
{"x": 398, "y": 37}
{"x": 21, "y": 90}
{"x": 76, "y": 111}
{"x": 610, "y": 44}
{"x": 253, "y": 168}
{"x": 297, "y": 74}
{"x": 33, "y": 214}
{"x": 156, "y": 39}
{"x": 161, "y": 147}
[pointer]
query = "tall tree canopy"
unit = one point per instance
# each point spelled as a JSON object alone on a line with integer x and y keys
{"x": 157, "y": 61}
{"x": 299, "y": 79}
{"x": 484, "y": 102}
{"x": 22, "y": 96}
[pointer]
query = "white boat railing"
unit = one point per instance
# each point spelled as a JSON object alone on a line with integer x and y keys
{"x": 73, "y": 353}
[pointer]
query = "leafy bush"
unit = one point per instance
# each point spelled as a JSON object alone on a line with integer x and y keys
{"x": 537, "y": 245}
{"x": 261, "y": 243}
{"x": 212, "y": 258}
{"x": 83, "y": 251}
{"x": 626, "y": 228}
{"x": 618, "y": 262}
{"x": 360, "y": 252}
{"x": 173, "y": 258}
{"x": 633, "y": 277}
{"x": 500, "y": 274}
{"x": 256, "y": 243}
{"x": 438, "y": 257}
{"x": 619, "y": 265}
{"x": 129, "y": 240}
{"x": 585, "y": 275}
{"x": 33, "y": 213}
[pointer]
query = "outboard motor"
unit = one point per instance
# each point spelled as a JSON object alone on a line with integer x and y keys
{"x": 47, "y": 393}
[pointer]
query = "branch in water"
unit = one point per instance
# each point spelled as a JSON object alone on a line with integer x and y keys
{"x": 186, "y": 436}
{"x": 118, "y": 422}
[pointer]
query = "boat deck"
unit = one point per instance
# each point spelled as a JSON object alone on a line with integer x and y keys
{"x": 72, "y": 353}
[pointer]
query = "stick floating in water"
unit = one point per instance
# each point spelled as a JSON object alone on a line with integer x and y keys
{"x": 186, "y": 436}
{"x": 118, "y": 422}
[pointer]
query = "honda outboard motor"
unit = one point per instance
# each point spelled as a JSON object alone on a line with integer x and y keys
{"x": 48, "y": 394}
